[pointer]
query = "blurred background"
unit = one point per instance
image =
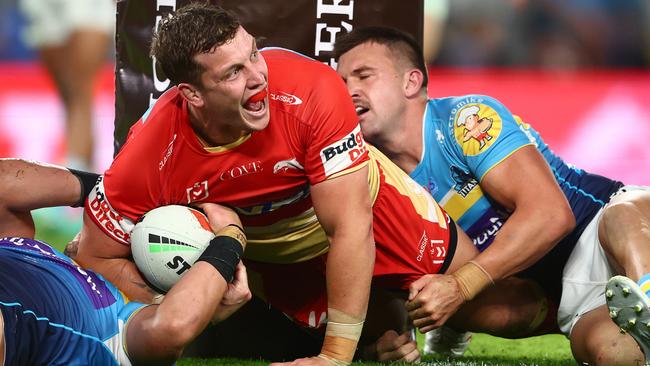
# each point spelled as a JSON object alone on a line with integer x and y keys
{"x": 578, "y": 71}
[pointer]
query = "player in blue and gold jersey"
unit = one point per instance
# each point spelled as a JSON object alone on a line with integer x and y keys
{"x": 529, "y": 213}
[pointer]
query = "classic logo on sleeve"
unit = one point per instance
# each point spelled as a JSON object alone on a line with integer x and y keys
{"x": 343, "y": 153}
{"x": 476, "y": 127}
{"x": 110, "y": 221}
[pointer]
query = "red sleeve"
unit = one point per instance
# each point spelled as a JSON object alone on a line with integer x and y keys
{"x": 333, "y": 143}
{"x": 131, "y": 186}
{"x": 337, "y": 144}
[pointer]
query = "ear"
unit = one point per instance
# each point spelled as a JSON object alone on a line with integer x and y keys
{"x": 413, "y": 80}
{"x": 191, "y": 94}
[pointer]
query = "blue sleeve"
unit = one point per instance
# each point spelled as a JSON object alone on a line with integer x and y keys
{"x": 485, "y": 132}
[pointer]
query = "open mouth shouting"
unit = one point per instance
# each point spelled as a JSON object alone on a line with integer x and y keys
{"x": 256, "y": 104}
{"x": 361, "y": 108}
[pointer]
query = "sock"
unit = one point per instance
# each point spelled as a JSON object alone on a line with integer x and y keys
{"x": 644, "y": 283}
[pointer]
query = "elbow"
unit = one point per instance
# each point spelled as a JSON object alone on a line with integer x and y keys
{"x": 568, "y": 219}
{"x": 561, "y": 220}
{"x": 173, "y": 335}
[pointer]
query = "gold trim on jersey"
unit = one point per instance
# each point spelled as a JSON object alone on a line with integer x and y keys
{"x": 504, "y": 158}
{"x": 292, "y": 240}
{"x": 222, "y": 148}
{"x": 422, "y": 201}
{"x": 457, "y": 205}
{"x": 373, "y": 178}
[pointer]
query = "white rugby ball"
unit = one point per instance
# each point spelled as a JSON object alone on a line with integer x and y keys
{"x": 167, "y": 241}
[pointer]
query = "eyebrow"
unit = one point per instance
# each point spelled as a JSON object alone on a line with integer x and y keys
{"x": 233, "y": 67}
{"x": 361, "y": 69}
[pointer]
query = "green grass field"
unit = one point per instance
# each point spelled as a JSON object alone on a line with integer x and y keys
{"x": 58, "y": 226}
{"x": 485, "y": 350}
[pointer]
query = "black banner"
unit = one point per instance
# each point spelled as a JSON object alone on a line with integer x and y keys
{"x": 307, "y": 26}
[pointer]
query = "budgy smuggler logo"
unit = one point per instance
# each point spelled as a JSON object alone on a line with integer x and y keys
{"x": 476, "y": 127}
{"x": 343, "y": 153}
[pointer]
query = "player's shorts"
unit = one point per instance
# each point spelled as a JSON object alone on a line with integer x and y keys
{"x": 407, "y": 247}
{"x": 585, "y": 274}
{"x": 50, "y": 22}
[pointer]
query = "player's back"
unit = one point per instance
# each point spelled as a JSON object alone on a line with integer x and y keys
{"x": 55, "y": 312}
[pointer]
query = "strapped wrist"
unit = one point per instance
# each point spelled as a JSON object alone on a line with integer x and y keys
{"x": 225, "y": 250}
{"x": 472, "y": 279}
{"x": 341, "y": 337}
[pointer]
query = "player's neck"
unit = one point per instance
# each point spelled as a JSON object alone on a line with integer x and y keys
{"x": 403, "y": 144}
{"x": 211, "y": 133}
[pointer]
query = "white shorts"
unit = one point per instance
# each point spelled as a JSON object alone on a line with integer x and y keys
{"x": 50, "y": 22}
{"x": 585, "y": 274}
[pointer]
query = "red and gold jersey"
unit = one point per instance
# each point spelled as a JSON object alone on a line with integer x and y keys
{"x": 413, "y": 237}
{"x": 313, "y": 135}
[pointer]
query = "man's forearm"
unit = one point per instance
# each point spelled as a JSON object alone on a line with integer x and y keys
{"x": 124, "y": 274}
{"x": 522, "y": 241}
{"x": 26, "y": 185}
{"x": 349, "y": 273}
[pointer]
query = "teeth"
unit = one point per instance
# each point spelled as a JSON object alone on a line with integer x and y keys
{"x": 613, "y": 314}
{"x": 609, "y": 294}
{"x": 631, "y": 322}
{"x": 361, "y": 110}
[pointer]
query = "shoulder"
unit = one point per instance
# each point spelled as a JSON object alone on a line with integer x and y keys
{"x": 454, "y": 104}
{"x": 158, "y": 125}
{"x": 163, "y": 110}
{"x": 291, "y": 69}
{"x": 304, "y": 87}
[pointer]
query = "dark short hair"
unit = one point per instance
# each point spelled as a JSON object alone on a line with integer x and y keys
{"x": 193, "y": 29}
{"x": 400, "y": 43}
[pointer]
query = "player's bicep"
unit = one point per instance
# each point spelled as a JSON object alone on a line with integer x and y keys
{"x": 522, "y": 177}
{"x": 95, "y": 244}
{"x": 343, "y": 204}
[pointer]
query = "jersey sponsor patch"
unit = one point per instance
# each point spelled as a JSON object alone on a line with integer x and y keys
{"x": 110, "y": 221}
{"x": 286, "y": 98}
{"x": 476, "y": 127}
{"x": 343, "y": 153}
